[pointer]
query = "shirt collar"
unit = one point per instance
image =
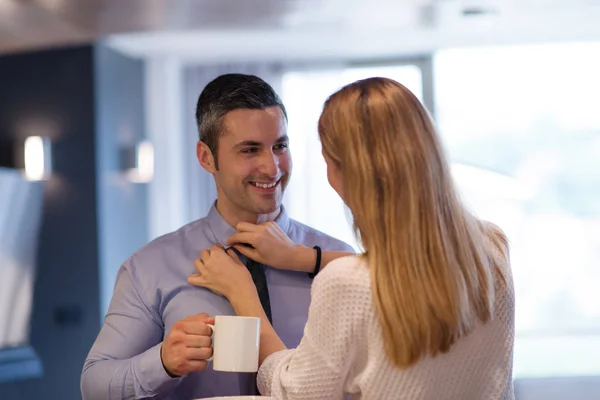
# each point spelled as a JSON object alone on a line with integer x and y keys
{"x": 222, "y": 230}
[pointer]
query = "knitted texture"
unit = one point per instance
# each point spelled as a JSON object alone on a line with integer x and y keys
{"x": 342, "y": 355}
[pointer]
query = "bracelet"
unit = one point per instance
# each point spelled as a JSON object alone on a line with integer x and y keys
{"x": 317, "y": 264}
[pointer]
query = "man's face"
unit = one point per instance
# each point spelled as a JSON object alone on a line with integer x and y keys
{"x": 254, "y": 163}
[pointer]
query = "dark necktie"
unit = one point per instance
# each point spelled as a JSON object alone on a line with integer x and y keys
{"x": 260, "y": 281}
{"x": 259, "y": 278}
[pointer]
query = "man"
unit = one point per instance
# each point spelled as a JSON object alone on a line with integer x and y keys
{"x": 154, "y": 342}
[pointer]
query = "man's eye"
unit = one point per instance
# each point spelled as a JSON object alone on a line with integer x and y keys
{"x": 281, "y": 146}
{"x": 249, "y": 150}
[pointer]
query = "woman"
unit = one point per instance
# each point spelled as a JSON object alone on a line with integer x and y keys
{"x": 427, "y": 311}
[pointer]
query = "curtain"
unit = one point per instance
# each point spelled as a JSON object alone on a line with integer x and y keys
{"x": 20, "y": 219}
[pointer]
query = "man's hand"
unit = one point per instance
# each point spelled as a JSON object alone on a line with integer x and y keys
{"x": 187, "y": 347}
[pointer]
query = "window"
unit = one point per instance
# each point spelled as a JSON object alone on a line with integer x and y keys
{"x": 309, "y": 198}
{"x": 522, "y": 129}
{"x": 528, "y": 118}
{"x": 21, "y": 204}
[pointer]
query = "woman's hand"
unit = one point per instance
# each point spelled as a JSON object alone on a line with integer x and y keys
{"x": 222, "y": 272}
{"x": 272, "y": 247}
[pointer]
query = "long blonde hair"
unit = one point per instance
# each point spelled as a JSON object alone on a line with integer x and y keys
{"x": 433, "y": 274}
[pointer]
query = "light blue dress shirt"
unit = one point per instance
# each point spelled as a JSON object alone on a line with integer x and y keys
{"x": 152, "y": 293}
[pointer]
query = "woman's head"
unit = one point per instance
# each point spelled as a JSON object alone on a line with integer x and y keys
{"x": 431, "y": 273}
{"x": 381, "y": 148}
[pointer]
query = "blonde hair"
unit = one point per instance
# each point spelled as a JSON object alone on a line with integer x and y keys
{"x": 432, "y": 271}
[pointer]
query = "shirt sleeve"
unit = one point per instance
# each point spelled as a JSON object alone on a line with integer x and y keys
{"x": 125, "y": 362}
{"x": 319, "y": 367}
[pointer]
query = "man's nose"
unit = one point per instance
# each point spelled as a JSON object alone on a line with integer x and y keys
{"x": 269, "y": 164}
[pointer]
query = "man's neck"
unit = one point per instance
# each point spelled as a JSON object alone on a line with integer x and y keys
{"x": 234, "y": 217}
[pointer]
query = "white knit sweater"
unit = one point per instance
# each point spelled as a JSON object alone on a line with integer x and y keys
{"x": 341, "y": 354}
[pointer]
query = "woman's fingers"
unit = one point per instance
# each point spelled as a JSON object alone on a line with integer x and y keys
{"x": 247, "y": 227}
{"x": 200, "y": 267}
{"x": 233, "y": 255}
{"x": 248, "y": 252}
{"x": 242, "y": 237}
{"x": 204, "y": 254}
{"x": 196, "y": 280}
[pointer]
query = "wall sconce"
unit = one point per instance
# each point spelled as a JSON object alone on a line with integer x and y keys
{"x": 138, "y": 162}
{"x": 33, "y": 156}
{"x": 37, "y": 157}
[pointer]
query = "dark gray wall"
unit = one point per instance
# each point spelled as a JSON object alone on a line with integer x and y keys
{"x": 51, "y": 93}
{"x": 87, "y": 101}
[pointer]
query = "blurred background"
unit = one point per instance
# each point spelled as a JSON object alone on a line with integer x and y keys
{"x": 97, "y": 150}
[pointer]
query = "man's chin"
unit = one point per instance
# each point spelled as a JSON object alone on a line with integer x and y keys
{"x": 267, "y": 207}
{"x": 267, "y": 210}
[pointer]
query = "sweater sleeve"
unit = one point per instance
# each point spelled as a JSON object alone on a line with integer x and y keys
{"x": 319, "y": 367}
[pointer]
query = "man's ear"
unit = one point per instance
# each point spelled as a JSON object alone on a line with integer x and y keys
{"x": 205, "y": 157}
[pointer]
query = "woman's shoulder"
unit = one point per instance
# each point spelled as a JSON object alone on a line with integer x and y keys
{"x": 348, "y": 271}
{"x": 344, "y": 286}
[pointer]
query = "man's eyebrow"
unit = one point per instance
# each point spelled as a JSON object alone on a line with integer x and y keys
{"x": 250, "y": 143}
{"x": 254, "y": 143}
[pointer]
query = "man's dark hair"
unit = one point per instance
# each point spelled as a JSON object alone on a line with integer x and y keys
{"x": 227, "y": 93}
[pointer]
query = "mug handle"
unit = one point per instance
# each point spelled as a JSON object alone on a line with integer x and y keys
{"x": 212, "y": 329}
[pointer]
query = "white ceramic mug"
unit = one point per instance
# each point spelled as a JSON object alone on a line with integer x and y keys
{"x": 235, "y": 343}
